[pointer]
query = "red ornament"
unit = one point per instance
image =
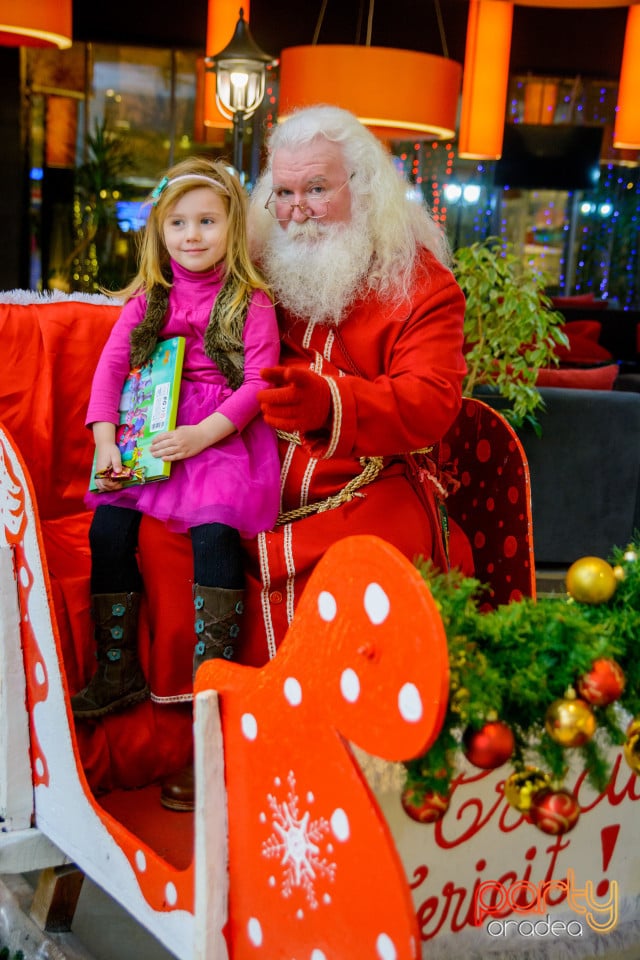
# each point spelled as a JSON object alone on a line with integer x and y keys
{"x": 424, "y": 806}
{"x": 554, "y": 811}
{"x": 603, "y": 684}
{"x": 489, "y": 747}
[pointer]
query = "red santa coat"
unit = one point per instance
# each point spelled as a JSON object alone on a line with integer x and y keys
{"x": 395, "y": 371}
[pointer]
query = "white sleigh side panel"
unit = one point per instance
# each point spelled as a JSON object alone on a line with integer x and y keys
{"x": 66, "y": 813}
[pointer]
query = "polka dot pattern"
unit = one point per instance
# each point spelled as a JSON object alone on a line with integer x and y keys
{"x": 340, "y": 825}
{"x": 492, "y": 502}
{"x": 249, "y": 726}
{"x": 293, "y": 691}
{"x": 171, "y": 894}
{"x": 327, "y": 607}
{"x": 255, "y": 932}
{"x": 350, "y": 685}
{"x": 410, "y": 703}
{"x": 385, "y": 947}
{"x": 376, "y": 604}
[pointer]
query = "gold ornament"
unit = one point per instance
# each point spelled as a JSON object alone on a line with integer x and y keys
{"x": 633, "y": 728}
{"x": 591, "y": 580}
{"x": 521, "y": 787}
{"x": 618, "y": 573}
{"x": 631, "y": 751}
{"x": 570, "y": 722}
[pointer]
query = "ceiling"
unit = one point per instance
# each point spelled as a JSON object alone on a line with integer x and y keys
{"x": 560, "y": 42}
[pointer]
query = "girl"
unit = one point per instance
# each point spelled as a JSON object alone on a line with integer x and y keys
{"x": 195, "y": 280}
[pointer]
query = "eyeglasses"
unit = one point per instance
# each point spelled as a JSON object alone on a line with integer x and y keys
{"x": 315, "y": 205}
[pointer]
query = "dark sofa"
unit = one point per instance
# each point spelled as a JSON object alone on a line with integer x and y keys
{"x": 585, "y": 473}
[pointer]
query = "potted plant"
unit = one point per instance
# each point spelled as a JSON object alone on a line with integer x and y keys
{"x": 100, "y": 183}
{"x": 510, "y": 328}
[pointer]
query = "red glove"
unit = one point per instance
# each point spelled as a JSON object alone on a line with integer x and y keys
{"x": 297, "y": 400}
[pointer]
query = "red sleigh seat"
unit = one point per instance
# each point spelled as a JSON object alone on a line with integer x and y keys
{"x": 50, "y": 351}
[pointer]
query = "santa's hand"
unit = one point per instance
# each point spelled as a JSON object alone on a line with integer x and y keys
{"x": 298, "y": 399}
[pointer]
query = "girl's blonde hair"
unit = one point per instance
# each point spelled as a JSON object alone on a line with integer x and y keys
{"x": 153, "y": 263}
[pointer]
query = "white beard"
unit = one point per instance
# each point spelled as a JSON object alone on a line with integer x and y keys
{"x": 316, "y": 270}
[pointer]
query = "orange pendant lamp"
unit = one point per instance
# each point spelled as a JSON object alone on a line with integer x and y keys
{"x": 574, "y": 4}
{"x": 627, "y": 123}
{"x": 396, "y": 93}
{"x": 485, "y": 80}
{"x": 35, "y": 23}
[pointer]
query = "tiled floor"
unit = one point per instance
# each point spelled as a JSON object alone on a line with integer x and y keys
{"x": 104, "y": 931}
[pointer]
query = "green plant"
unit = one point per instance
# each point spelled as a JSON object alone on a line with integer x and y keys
{"x": 512, "y": 662}
{"x": 100, "y": 183}
{"x": 510, "y": 328}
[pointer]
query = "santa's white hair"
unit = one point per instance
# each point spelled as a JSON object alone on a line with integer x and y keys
{"x": 396, "y": 226}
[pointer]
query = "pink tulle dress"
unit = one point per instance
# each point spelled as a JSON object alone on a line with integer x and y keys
{"x": 236, "y": 481}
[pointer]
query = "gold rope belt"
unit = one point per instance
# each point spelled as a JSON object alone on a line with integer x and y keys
{"x": 371, "y": 467}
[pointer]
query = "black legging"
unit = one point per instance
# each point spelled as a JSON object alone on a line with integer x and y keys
{"x": 113, "y": 537}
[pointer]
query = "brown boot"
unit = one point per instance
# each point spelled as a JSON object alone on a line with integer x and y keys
{"x": 217, "y": 628}
{"x": 217, "y": 625}
{"x": 118, "y": 681}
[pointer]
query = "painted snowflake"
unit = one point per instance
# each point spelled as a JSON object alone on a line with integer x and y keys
{"x": 297, "y": 842}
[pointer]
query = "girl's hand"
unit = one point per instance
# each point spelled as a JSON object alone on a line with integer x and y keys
{"x": 108, "y": 458}
{"x": 181, "y": 443}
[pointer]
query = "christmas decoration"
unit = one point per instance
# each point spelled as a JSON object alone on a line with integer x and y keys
{"x": 633, "y": 728}
{"x": 521, "y": 787}
{"x": 426, "y": 806}
{"x": 603, "y": 684}
{"x": 554, "y": 811}
{"x": 570, "y": 721}
{"x": 591, "y": 580}
{"x": 631, "y": 748}
{"x": 489, "y": 747}
{"x": 515, "y": 661}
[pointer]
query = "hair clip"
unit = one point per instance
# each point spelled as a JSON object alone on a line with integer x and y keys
{"x": 156, "y": 192}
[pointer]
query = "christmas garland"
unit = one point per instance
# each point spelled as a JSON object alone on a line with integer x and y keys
{"x": 535, "y": 684}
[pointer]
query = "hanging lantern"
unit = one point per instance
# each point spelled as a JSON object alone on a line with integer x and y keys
{"x": 379, "y": 85}
{"x": 626, "y": 133}
{"x": 222, "y": 16}
{"x": 240, "y": 70}
{"x": 36, "y": 23}
{"x": 485, "y": 79}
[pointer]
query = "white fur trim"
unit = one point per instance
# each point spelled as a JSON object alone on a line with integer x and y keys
{"x": 24, "y": 297}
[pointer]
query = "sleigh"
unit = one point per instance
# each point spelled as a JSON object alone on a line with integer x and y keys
{"x": 286, "y": 824}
